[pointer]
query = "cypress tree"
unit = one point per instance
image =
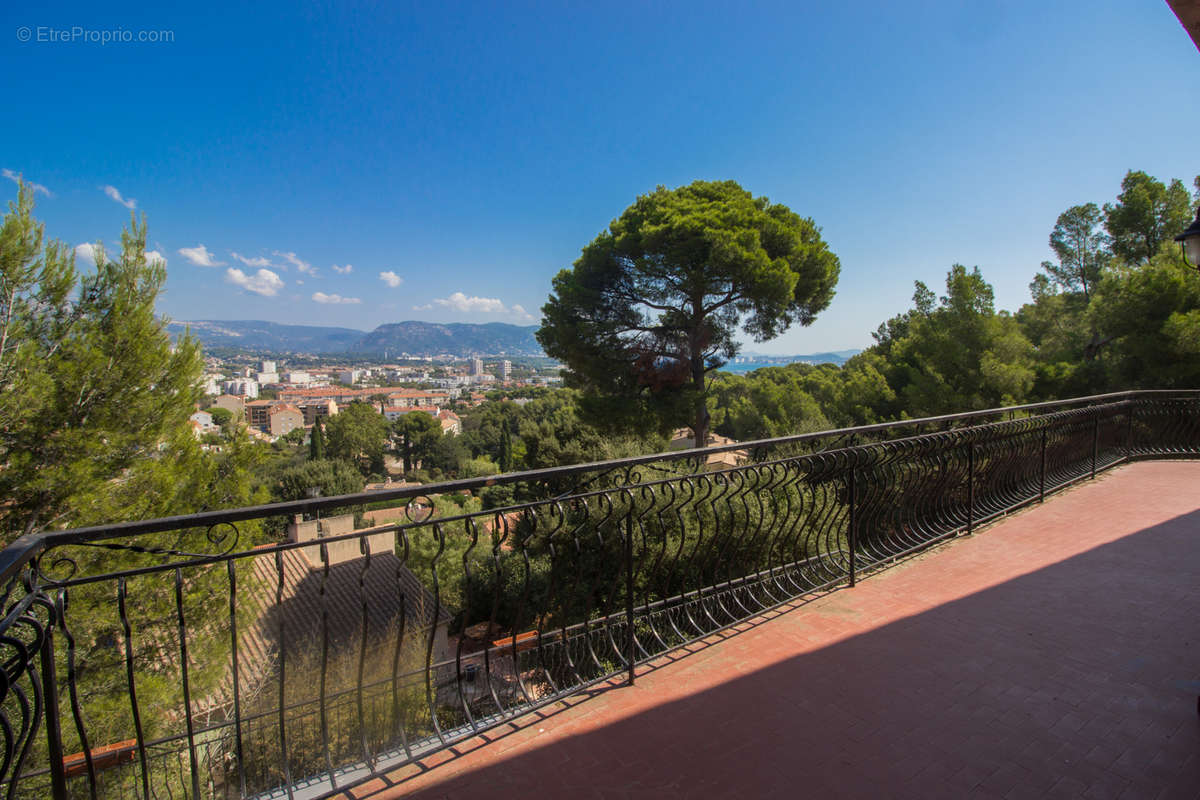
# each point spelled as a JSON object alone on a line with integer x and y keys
{"x": 316, "y": 445}
{"x": 506, "y": 454}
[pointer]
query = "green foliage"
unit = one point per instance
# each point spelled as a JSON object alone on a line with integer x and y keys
{"x": 800, "y": 398}
{"x": 506, "y": 448}
{"x": 1066, "y": 343}
{"x": 960, "y": 355}
{"x": 446, "y": 454}
{"x": 488, "y": 429}
{"x": 1147, "y": 214}
{"x": 328, "y": 478}
{"x": 316, "y": 443}
{"x": 89, "y": 381}
{"x": 184, "y": 479}
{"x": 295, "y": 437}
{"x": 418, "y": 431}
{"x": 220, "y": 416}
{"x": 478, "y": 468}
{"x": 498, "y": 496}
{"x": 767, "y": 403}
{"x": 1149, "y": 312}
{"x": 1081, "y": 249}
{"x": 554, "y": 432}
{"x": 443, "y": 546}
{"x": 358, "y": 433}
{"x": 652, "y": 305}
{"x": 1115, "y": 312}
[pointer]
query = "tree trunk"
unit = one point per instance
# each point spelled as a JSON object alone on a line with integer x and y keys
{"x": 700, "y": 422}
{"x": 696, "y": 355}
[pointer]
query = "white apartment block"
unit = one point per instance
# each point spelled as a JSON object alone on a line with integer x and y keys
{"x": 244, "y": 386}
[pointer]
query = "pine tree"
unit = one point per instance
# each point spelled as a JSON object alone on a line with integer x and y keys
{"x": 653, "y": 304}
{"x": 90, "y": 384}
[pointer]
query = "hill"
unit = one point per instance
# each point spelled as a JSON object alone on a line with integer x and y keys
{"x": 456, "y": 338}
{"x": 271, "y": 337}
{"x": 414, "y": 338}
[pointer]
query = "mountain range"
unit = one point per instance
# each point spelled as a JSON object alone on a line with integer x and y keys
{"x": 414, "y": 338}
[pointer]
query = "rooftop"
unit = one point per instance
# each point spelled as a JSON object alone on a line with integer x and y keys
{"x": 1053, "y": 654}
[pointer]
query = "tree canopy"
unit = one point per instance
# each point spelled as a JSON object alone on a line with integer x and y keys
{"x": 89, "y": 381}
{"x": 1146, "y": 214}
{"x": 653, "y": 304}
{"x": 959, "y": 354}
{"x": 318, "y": 477}
{"x": 357, "y": 433}
{"x": 1080, "y": 244}
{"x": 418, "y": 431}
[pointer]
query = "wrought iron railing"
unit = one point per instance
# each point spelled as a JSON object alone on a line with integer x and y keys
{"x": 173, "y": 658}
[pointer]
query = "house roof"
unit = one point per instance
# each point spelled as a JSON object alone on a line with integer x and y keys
{"x": 431, "y": 410}
{"x": 312, "y": 602}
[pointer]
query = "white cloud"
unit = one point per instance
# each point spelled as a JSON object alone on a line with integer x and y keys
{"x": 86, "y": 252}
{"x": 112, "y": 192}
{"x": 263, "y": 282}
{"x": 391, "y": 279}
{"x": 154, "y": 255}
{"x": 475, "y": 305}
{"x": 346, "y": 270}
{"x": 200, "y": 256}
{"x": 334, "y": 299}
{"x": 36, "y": 187}
{"x": 258, "y": 261}
{"x": 297, "y": 262}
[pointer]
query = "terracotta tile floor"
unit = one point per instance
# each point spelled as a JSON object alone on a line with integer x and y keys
{"x": 1054, "y": 654}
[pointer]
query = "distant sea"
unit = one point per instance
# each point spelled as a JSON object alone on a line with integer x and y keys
{"x": 740, "y": 366}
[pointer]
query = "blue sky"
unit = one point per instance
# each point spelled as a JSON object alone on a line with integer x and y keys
{"x": 455, "y": 156}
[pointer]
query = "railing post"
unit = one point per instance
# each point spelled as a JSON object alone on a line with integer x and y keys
{"x": 970, "y": 486}
{"x": 1042, "y": 474}
{"x": 58, "y": 776}
{"x": 630, "y": 641}
{"x": 1129, "y": 430}
{"x": 852, "y": 533}
{"x": 1095, "y": 441}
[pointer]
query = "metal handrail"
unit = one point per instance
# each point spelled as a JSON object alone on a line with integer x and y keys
{"x": 628, "y": 566}
{"x": 27, "y": 547}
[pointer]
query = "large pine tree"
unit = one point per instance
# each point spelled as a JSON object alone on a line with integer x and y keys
{"x": 90, "y": 383}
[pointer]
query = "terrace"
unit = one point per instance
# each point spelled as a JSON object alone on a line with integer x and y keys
{"x": 1017, "y": 663}
{"x": 1050, "y": 655}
